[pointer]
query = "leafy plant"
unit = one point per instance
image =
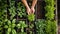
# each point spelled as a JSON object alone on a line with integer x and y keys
{"x": 14, "y": 31}
{"x": 12, "y": 9}
{"x": 50, "y": 27}
{"x": 1, "y": 28}
{"x": 21, "y": 10}
{"x": 50, "y": 12}
{"x": 31, "y": 26}
{"x": 40, "y": 26}
{"x": 50, "y": 2}
{"x": 9, "y": 26}
{"x": 3, "y": 6}
{"x": 49, "y": 8}
{"x": 31, "y": 17}
{"x": 21, "y": 25}
{"x": 13, "y": 25}
{"x": 50, "y": 22}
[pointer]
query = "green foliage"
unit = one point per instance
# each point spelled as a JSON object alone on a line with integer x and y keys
{"x": 14, "y": 31}
{"x": 1, "y": 28}
{"x": 12, "y": 9}
{"x": 22, "y": 33}
{"x": 31, "y": 26}
{"x": 50, "y": 27}
{"x": 40, "y": 26}
{"x": 50, "y": 2}
{"x": 7, "y": 23}
{"x": 3, "y": 6}
{"x": 49, "y": 8}
{"x": 13, "y": 25}
{"x": 21, "y": 10}
{"x": 50, "y": 12}
{"x": 31, "y": 17}
{"x": 21, "y": 25}
{"x": 50, "y": 22}
{"x": 9, "y": 26}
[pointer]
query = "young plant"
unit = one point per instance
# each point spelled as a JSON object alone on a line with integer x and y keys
{"x": 3, "y": 6}
{"x": 21, "y": 25}
{"x": 50, "y": 9}
{"x": 3, "y": 9}
{"x": 50, "y": 22}
{"x": 50, "y": 27}
{"x": 50, "y": 12}
{"x": 13, "y": 25}
{"x": 50, "y": 2}
{"x": 1, "y": 28}
{"x": 40, "y": 26}
{"x": 9, "y": 26}
{"x": 21, "y": 10}
{"x": 31, "y": 17}
{"x": 31, "y": 26}
{"x": 12, "y": 9}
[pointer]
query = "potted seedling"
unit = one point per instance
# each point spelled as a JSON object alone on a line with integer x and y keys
{"x": 22, "y": 25}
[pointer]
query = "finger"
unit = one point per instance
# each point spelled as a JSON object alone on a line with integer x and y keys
{"x": 32, "y": 11}
{"x": 28, "y": 13}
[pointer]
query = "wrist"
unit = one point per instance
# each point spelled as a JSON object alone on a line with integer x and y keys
{"x": 32, "y": 7}
{"x": 27, "y": 7}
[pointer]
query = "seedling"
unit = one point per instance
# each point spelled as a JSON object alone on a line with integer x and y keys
{"x": 40, "y": 26}
{"x": 21, "y": 10}
{"x": 31, "y": 17}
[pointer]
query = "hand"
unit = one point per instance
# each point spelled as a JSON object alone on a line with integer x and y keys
{"x": 28, "y": 11}
{"x": 32, "y": 10}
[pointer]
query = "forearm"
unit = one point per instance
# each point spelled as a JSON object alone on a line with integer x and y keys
{"x": 34, "y": 3}
{"x": 25, "y": 3}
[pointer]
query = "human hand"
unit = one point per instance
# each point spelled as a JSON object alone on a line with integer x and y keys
{"x": 32, "y": 10}
{"x": 28, "y": 11}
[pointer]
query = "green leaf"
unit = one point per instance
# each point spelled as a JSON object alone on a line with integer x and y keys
{"x": 14, "y": 31}
{"x": 18, "y": 25}
{"x": 6, "y": 26}
{"x": 13, "y": 21}
{"x": 13, "y": 25}
{"x": 9, "y": 29}
{"x": 31, "y": 17}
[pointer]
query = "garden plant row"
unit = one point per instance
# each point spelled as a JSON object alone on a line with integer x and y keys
{"x": 15, "y": 20}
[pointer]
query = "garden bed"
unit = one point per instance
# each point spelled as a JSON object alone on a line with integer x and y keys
{"x": 15, "y": 20}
